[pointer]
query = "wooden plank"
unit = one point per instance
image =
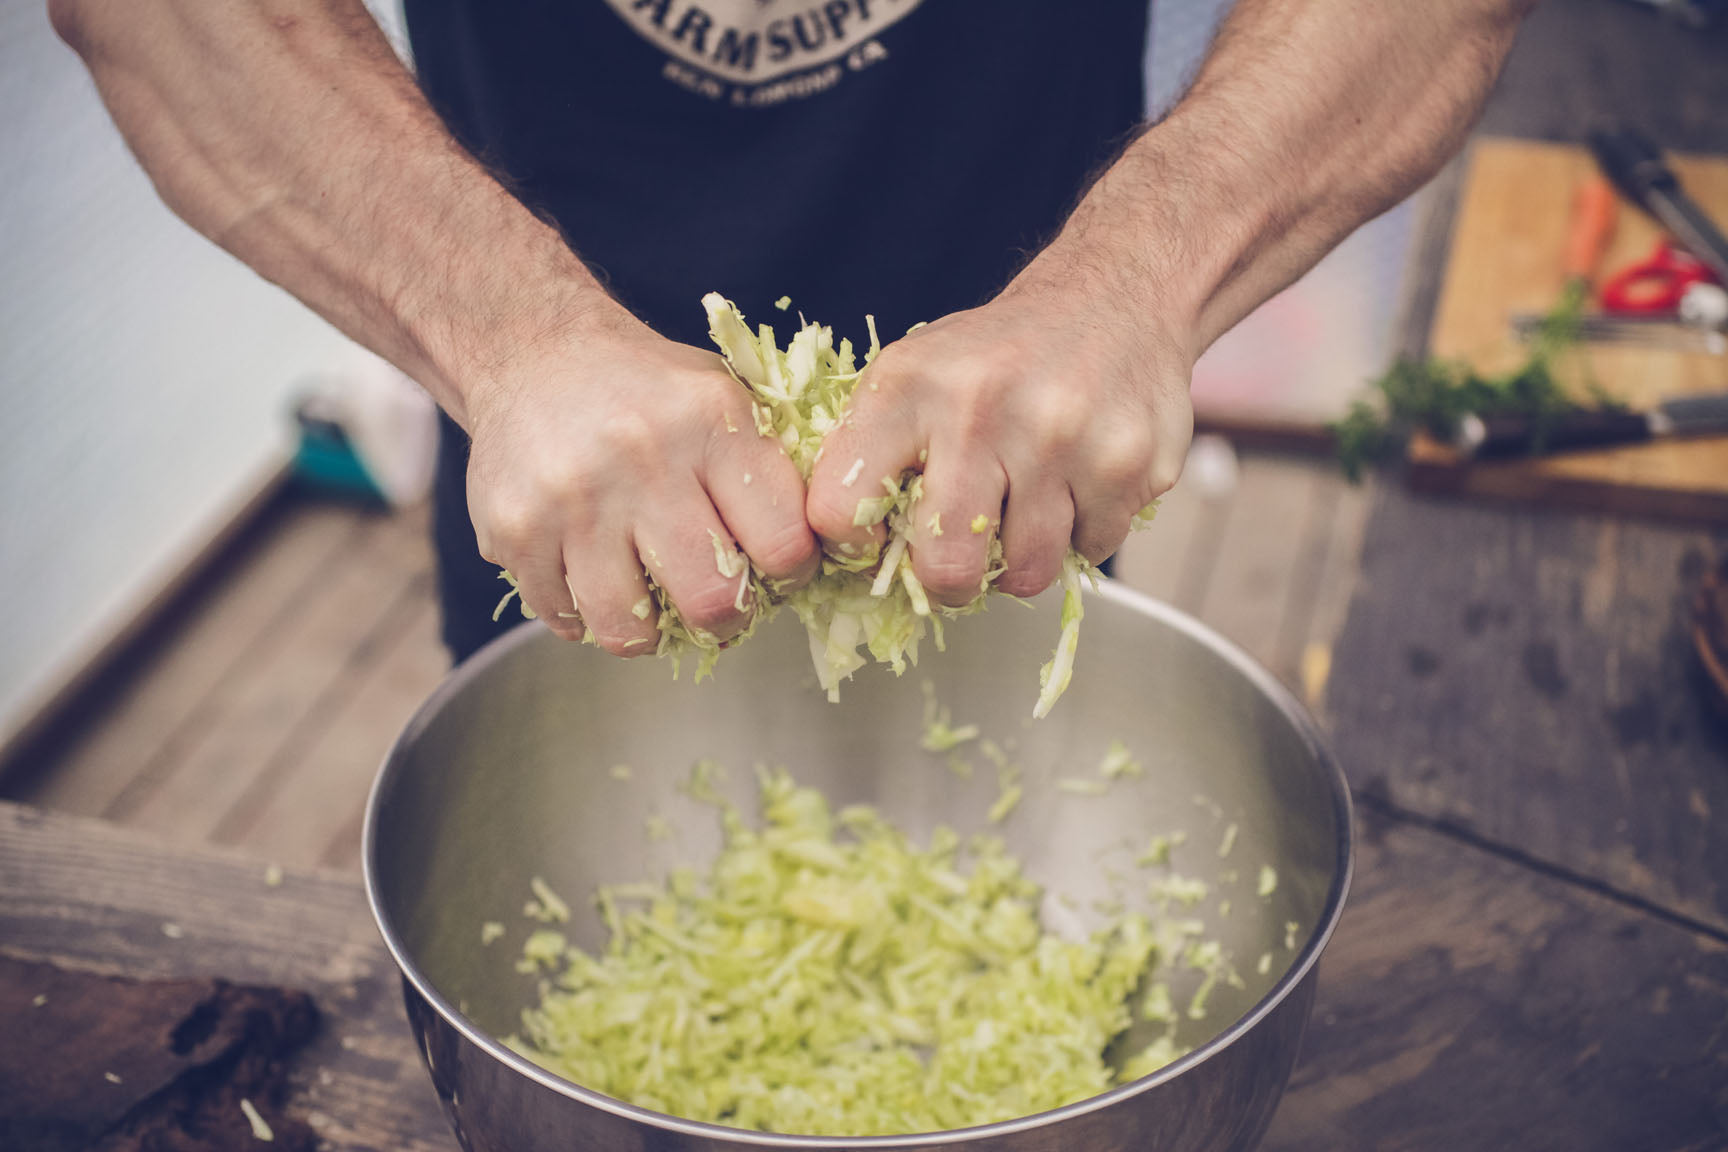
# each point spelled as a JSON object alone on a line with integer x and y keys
{"x": 1152, "y": 561}
{"x": 1563, "y": 1017}
{"x": 260, "y": 497}
{"x": 1306, "y": 573}
{"x": 263, "y": 709}
{"x": 1506, "y": 257}
{"x": 139, "y": 722}
{"x": 342, "y": 852}
{"x": 323, "y": 789}
{"x": 88, "y": 894}
{"x": 1530, "y": 680}
{"x": 1268, "y": 535}
{"x": 1308, "y": 645}
{"x": 1523, "y": 676}
{"x": 1667, "y": 480}
{"x": 1469, "y": 1003}
{"x": 1268, "y": 434}
{"x": 1199, "y": 558}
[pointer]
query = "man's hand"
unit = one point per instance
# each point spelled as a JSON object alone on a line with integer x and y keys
{"x": 600, "y": 459}
{"x": 1055, "y": 411}
{"x": 1046, "y": 412}
{"x": 307, "y": 150}
{"x": 1060, "y": 408}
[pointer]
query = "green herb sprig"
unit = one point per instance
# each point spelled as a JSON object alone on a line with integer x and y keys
{"x": 1433, "y": 395}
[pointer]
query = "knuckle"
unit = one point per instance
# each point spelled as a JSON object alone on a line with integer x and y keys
{"x": 831, "y": 509}
{"x": 626, "y": 434}
{"x": 712, "y": 607}
{"x": 951, "y": 577}
{"x": 564, "y": 478}
{"x": 574, "y": 479}
{"x": 629, "y": 643}
{"x": 615, "y": 628}
{"x": 1027, "y": 577}
{"x": 1096, "y": 542}
{"x": 564, "y": 629}
{"x": 1170, "y": 450}
{"x": 785, "y": 550}
{"x": 1061, "y": 418}
{"x": 1165, "y": 471}
{"x": 508, "y": 526}
{"x": 569, "y": 484}
{"x": 891, "y": 369}
{"x": 1122, "y": 462}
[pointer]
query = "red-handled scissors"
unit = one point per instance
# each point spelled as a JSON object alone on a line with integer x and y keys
{"x": 1657, "y": 284}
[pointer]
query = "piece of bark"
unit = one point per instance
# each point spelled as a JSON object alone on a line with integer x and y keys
{"x": 107, "y": 1064}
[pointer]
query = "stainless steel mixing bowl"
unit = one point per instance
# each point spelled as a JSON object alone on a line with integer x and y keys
{"x": 506, "y": 773}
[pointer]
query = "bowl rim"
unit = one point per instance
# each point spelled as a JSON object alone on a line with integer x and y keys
{"x": 1332, "y": 911}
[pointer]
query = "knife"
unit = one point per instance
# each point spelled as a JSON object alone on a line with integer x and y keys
{"x": 1637, "y": 169}
{"x": 1497, "y": 437}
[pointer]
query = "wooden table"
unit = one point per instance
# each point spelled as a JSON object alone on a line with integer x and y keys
{"x": 1470, "y": 1000}
{"x": 88, "y": 894}
{"x": 1535, "y": 955}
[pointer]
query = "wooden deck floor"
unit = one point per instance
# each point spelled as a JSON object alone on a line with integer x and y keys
{"x": 256, "y": 713}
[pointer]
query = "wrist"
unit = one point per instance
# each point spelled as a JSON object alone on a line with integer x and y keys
{"x": 479, "y": 328}
{"x": 1158, "y": 237}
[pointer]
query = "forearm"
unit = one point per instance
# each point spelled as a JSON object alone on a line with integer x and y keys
{"x": 288, "y": 133}
{"x": 1307, "y": 119}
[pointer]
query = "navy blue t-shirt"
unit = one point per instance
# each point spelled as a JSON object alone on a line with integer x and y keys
{"x": 894, "y": 157}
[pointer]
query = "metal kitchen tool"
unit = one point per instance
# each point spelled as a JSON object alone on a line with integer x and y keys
{"x": 503, "y": 775}
{"x": 1696, "y": 414}
{"x": 1673, "y": 333}
{"x": 1636, "y": 167}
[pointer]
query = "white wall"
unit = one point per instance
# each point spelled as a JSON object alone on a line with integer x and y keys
{"x": 144, "y": 374}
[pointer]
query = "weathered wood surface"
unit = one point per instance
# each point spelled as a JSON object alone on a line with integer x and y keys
{"x": 1584, "y": 62}
{"x": 138, "y": 720}
{"x": 260, "y": 717}
{"x": 289, "y": 691}
{"x": 1530, "y": 680}
{"x": 88, "y": 894}
{"x": 1269, "y": 561}
{"x": 1523, "y": 677}
{"x": 1467, "y": 1001}
{"x": 299, "y": 812}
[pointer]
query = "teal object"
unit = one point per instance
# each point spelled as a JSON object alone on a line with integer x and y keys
{"x": 325, "y": 461}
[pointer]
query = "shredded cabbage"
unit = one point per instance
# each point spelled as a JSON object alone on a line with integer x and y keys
{"x": 260, "y": 1127}
{"x": 828, "y": 977}
{"x": 940, "y": 732}
{"x": 1118, "y": 762}
{"x": 872, "y": 601}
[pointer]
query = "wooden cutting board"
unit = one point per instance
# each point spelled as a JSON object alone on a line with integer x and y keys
{"x": 1506, "y": 257}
